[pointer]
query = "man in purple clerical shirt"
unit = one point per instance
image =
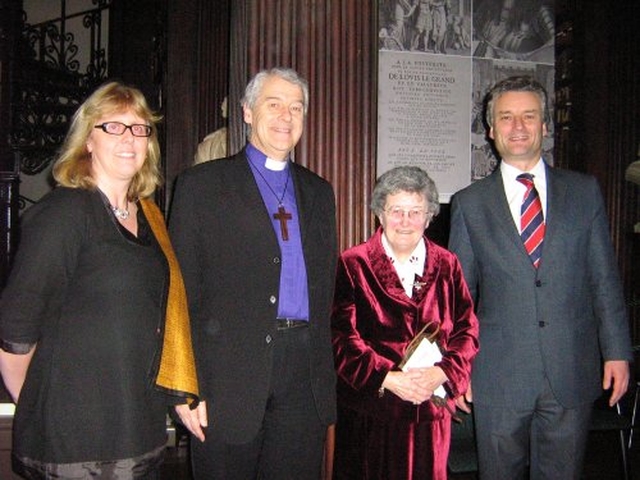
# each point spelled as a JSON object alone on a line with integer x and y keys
{"x": 255, "y": 235}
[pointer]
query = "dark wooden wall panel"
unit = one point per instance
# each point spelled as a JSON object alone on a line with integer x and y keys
{"x": 605, "y": 125}
{"x": 10, "y": 25}
{"x": 611, "y": 103}
{"x": 212, "y": 57}
{"x": 623, "y": 135}
{"x": 196, "y": 79}
{"x": 180, "y": 90}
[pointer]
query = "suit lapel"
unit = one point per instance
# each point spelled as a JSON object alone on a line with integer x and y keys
{"x": 496, "y": 201}
{"x": 557, "y": 192}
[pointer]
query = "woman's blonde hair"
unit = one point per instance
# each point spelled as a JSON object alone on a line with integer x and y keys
{"x": 73, "y": 166}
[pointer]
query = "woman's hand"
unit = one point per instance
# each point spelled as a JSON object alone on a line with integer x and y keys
{"x": 13, "y": 368}
{"x": 416, "y": 385}
{"x": 194, "y": 420}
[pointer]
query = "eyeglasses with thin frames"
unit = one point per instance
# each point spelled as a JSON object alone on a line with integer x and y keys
{"x": 118, "y": 128}
{"x": 413, "y": 214}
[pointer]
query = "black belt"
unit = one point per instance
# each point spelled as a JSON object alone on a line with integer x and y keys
{"x": 288, "y": 323}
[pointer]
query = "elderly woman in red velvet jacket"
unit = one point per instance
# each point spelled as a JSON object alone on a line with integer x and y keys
{"x": 394, "y": 422}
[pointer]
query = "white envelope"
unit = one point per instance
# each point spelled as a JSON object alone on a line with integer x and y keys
{"x": 426, "y": 354}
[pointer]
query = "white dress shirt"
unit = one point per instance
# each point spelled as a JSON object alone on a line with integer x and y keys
{"x": 514, "y": 190}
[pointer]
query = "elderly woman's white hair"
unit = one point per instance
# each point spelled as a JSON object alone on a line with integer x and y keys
{"x": 405, "y": 179}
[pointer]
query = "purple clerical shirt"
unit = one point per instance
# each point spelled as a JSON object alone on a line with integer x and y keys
{"x": 276, "y": 187}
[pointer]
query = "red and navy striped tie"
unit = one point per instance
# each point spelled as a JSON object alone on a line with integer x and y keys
{"x": 531, "y": 220}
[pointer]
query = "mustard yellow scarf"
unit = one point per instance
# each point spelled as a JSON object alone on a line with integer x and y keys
{"x": 177, "y": 370}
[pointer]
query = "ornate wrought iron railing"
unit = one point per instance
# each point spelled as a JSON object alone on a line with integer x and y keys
{"x": 51, "y": 67}
{"x": 48, "y": 82}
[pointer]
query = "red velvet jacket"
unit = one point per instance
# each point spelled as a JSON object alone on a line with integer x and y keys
{"x": 373, "y": 321}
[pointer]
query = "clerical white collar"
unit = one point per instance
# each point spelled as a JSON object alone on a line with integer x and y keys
{"x": 276, "y": 165}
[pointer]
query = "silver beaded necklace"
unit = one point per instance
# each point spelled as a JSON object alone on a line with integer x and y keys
{"x": 121, "y": 213}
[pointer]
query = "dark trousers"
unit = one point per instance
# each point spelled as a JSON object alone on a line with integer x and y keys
{"x": 546, "y": 442}
{"x": 290, "y": 443}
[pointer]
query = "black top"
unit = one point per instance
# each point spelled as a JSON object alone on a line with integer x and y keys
{"x": 92, "y": 297}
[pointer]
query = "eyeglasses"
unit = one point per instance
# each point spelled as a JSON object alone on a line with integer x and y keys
{"x": 118, "y": 128}
{"x": 413, "y": 214}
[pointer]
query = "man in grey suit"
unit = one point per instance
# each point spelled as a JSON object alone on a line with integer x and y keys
{"x": 255, "y": 235}
{"x": 548, "y": 317}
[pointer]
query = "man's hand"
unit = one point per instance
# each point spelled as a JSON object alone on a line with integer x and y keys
{"x": 463, "y": 401}
{"x": 616, "y": 375}
{"x": 194, "y": 420}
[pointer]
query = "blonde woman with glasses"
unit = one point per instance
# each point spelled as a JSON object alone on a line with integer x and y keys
{"x": 94, "y": 332}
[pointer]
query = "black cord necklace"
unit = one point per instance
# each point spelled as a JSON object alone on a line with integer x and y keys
{"x": 281, "y": 215}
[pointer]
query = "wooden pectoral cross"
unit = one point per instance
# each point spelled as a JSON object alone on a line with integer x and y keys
{"x": 283, "y": 216}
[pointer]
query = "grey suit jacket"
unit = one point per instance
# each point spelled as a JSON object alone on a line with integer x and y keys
{"x": 559, "y": 321}
{"x": 230, "y": 259}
